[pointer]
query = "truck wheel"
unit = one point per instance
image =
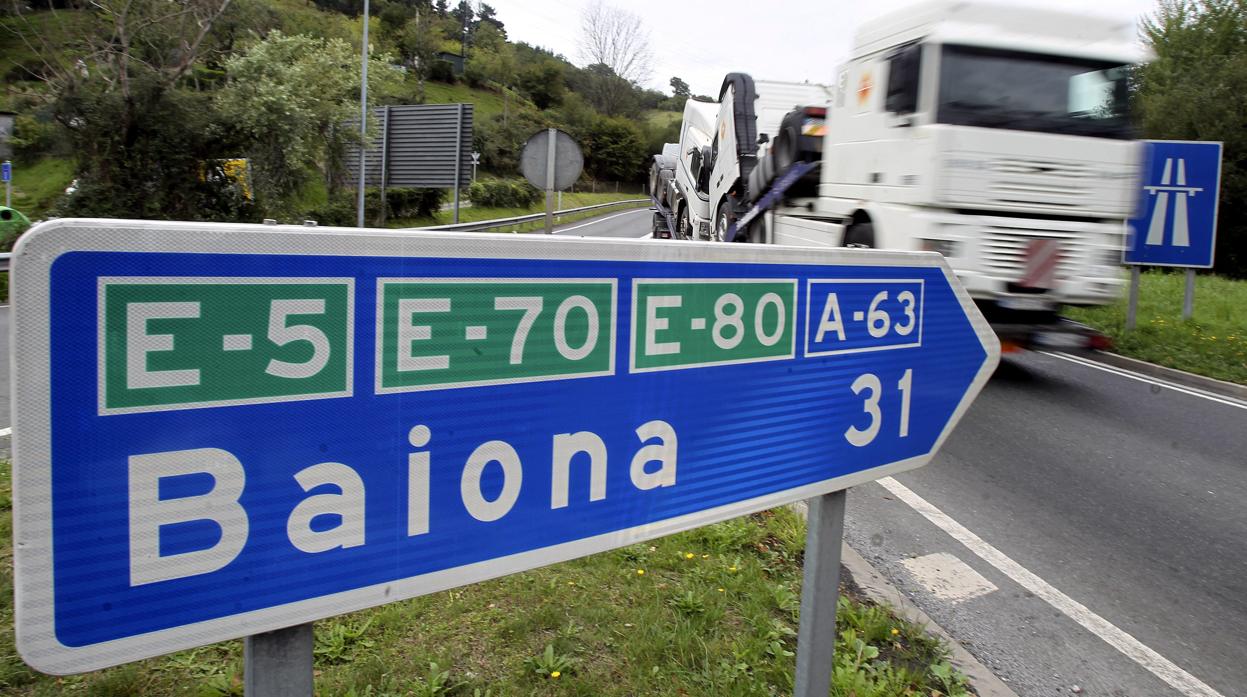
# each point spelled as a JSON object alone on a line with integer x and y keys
{"x": 784, "y": 152}
{"x": 684, "y": 225}
{"x": 721, "y": 222}
{"x": 860, "y": 236}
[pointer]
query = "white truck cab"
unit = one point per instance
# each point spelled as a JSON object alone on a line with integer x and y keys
{"x": 690, "y": 200}
{"x": 975, "y": 129}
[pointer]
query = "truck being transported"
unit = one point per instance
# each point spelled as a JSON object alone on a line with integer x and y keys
{"x": 995, "y": 135}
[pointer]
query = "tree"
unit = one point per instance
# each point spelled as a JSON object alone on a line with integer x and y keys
{"x": 292, "y": 97}
{"x": 607, "y": 92}
{"x": 615, "y": 38}
{"x": 680, "y": 89}
{"x": 1196, "y": 89}
{"x": 140, "y": 139}
{"x": 614, "y": 149}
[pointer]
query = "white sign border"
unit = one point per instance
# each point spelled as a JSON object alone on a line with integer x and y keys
{"x": 39, "y": 249}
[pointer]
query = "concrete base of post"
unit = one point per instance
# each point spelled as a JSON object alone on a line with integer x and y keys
{"x": 279, "y": 663}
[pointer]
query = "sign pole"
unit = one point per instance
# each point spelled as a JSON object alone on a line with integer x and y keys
{"x": 820, "y": 591}
{"x": 1188, "y": 298}
{"x": 553, "y": 134}
{"x": 363, "y": 122}
{"x": 458, "y": 160}
{"x": 279, "y": 663}
{"x": 8, "y": 184}
{"x": 385, "y": 154}
{"x": 1132, "y": 306}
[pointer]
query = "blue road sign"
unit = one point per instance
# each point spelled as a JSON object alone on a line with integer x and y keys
{"x": 1177, "y": 222}
{"x": 223, "y": 430}
{"x": 6, "y": 171}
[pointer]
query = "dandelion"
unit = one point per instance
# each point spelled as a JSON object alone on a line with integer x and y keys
{"x": 555, "y": 675}
{"x": 895, "y": 631}
{"x": 722, "y": 591}
{"x": 689, "y": 555}
{"x": 640, "y": 572}
{"x": 732, "y": 569}
{"x": 705, "y": 556}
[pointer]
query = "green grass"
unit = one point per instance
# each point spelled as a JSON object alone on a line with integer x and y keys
{"x": 708, "y": 612}
{"x": 487, "y": 104}
{"x": 38, "y": 185}
{"x": 1212, "y": 343}
{"x": 472, "y": 214}
{"x": 661, "y": 119}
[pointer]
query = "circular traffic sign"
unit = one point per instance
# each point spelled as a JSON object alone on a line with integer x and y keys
{"x": 568, "y": 160}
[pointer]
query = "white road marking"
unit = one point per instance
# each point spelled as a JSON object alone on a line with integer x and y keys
{"x": 595, "y": 221}
{"x": 6, "y": 432}
{"x": 1132, "y": 648}
{"x": 1151, "y": 381}
{"x": 948, "y": 578}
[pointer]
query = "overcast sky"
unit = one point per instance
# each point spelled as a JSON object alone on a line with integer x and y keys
{"x": 702, "y": 40}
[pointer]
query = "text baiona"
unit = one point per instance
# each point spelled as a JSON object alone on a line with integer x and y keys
{"x": 653, "y": 465}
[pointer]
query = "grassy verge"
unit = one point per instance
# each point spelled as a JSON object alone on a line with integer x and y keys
{"x": 1212, "y": 343}
{"x": 708, "y": 612}
{"x": 473, "y": 214}
{"x": 37, "y": 185}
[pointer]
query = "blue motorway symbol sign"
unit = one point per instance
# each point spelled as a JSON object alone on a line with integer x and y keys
{"x": 1177, "y": 220}
{"x": 6, "y": 171}
{"x": 223, "y": 429}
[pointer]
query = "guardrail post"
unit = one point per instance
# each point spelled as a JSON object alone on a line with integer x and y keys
{"x": 820, "y": 591}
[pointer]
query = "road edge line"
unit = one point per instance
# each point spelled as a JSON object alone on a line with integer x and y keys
{"x": 876, "y": 587}
{"x": 1143, "y": 655}
{"x": 1181, "y": 377}
{"x": 1129, "y": 375}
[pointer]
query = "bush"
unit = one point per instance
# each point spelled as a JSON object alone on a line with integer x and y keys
{"x": 341, "y": 211}
{"x": 503, "y": 193}
{"x": 32, "y": 137}
{"x": 442, "y": 71}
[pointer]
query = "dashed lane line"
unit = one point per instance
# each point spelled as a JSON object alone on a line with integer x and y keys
{"x": 1132, "y": 648}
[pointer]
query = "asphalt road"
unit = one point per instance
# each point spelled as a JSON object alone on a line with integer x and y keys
{"x": 1080, "y": 530}
{"x": 1124, "y": 496}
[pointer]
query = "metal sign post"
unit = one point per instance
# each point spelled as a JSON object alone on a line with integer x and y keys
{"x": 248, "y": 390}
{"x": 1177, "y": 221}
{"x": 279, "y": 663}
{"x": 551, "y": 139}
{"x": 476, "y": 160}
{"x": 820, "y": 591}
{"x": 1132, "y": 306}
{"x": 458, "y": 160}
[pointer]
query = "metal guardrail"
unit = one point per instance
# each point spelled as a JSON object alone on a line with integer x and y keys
{"x": 518, "y": 220}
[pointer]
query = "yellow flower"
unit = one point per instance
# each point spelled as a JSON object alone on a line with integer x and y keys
{"x": 705, "y": 556}
{"x": 895, "y": 631}
{"x": 722, "y": 591}
{"x": 689, "y": 555}
{"x": 640, "y": 572}
{"x": 555, "y": 675}
{"x": 732, "y": 569}
{"x": 571, "y": 583}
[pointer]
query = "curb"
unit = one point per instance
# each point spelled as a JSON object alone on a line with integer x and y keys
{"x": 879, "y": 590}
{"x": 1180, "y": 377}
{"x": 874, "y": 586}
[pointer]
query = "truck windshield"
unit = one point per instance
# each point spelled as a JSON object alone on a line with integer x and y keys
{"x": 1032, "y": 92}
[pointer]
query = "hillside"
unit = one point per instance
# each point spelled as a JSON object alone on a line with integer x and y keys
{"x": 57, "y": 67}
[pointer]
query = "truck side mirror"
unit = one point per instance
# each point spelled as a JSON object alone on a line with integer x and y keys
{"x": 904, "y": 68}
{"x": 694, "y": 163}
{"x": 763, "y": 139}
{"x": 706, "y": 164}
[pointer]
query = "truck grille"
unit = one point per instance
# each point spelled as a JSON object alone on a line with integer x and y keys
{"x": 1004, "y": 251}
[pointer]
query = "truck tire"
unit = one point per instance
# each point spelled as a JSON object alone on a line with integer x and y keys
{"x": 722, "y": 219}
{"x": 684, "y": 226}
{"x": 786, "y": 149}
{"x": 860, "y": 236}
